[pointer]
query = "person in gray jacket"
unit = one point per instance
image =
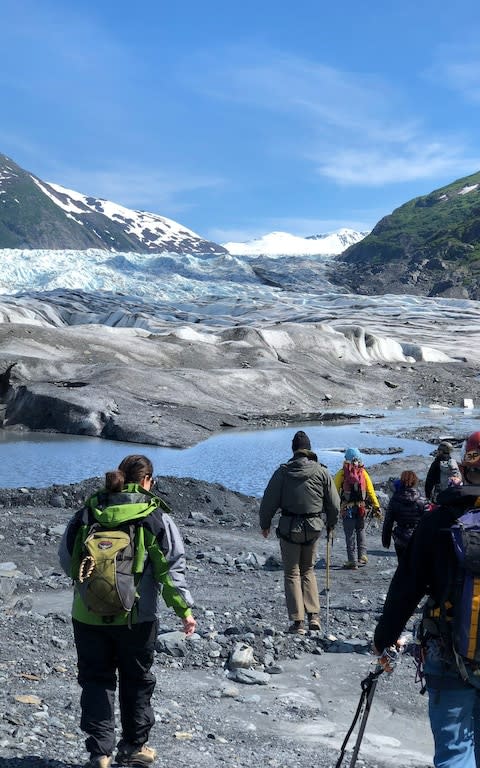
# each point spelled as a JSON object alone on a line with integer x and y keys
{"x": 305, "y": 494}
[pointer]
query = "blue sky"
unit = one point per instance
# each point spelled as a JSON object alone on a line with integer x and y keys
{"x": 237, "y": 119}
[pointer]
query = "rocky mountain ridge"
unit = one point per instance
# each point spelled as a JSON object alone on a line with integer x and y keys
{"x": 430, "y": 246}
{"x": 37, "y": 215}
{"x": 40, "y": 215}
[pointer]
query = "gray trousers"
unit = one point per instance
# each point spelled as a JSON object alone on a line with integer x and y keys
{"x": 355, "y": 538}
{"x": 301, "y": 589}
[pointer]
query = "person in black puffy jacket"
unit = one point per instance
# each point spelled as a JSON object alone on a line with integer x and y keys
{"x": 405, "y": 509}
{"x": 430, "y": 567}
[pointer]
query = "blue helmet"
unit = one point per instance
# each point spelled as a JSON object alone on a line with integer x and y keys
{"x": 352, "y": 454}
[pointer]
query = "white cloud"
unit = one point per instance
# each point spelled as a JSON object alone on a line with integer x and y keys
{"x": 377, "y": 167}
{"x": 355, "y": 129}
{"x": 458, "y": 68}
{"x": 151, "y": 190}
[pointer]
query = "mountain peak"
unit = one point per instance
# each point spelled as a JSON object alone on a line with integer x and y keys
{"x": 286, "y": 244}
{"x": 35, "y": 214}
{"x": 429, "y": 246}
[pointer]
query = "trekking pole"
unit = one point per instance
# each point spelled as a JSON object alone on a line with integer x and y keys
{"x": 327, "y": 582}
{"x": 368, "y": 685}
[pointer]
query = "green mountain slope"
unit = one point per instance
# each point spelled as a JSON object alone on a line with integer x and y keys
{"x": 30, "y": 219}
{"x": 429, "y": 246}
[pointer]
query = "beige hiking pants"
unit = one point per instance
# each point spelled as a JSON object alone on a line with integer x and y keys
{"x": 301, "y": 589}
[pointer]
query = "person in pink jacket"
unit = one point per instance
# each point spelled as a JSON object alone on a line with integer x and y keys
{"x": 356, "y": 494}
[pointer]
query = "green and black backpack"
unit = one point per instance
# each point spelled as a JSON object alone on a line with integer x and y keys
{"x": 110, "y": 568}
{"x": 111, "y": 549}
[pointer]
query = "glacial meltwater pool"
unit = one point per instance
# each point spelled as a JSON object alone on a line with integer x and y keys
{"x": 242, "y": 461}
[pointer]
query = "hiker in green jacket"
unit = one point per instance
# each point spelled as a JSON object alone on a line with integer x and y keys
{"x": 304, "y": 493}
{"x": 115, "y": 602}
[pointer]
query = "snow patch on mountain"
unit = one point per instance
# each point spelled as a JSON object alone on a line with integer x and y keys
{"x": 286, "y": 244}
{"x": 151, "y": 228}
{"x": 57, "y": 218}
{"x": 468, "y": 188}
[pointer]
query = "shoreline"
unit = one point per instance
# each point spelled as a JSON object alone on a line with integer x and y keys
{"x": 173, "y": 392}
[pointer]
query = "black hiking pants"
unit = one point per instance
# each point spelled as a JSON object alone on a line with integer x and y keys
{"x": 104, "y": 651}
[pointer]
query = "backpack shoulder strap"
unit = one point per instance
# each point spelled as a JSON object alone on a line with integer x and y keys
{"x": 85, "y": 522}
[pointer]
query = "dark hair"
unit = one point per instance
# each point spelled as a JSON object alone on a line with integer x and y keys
{"x": 132, "y": 469}
{"x": 301, "y": 440}
{"x": 444, "y": 448}
{"x": 408, "y": 479}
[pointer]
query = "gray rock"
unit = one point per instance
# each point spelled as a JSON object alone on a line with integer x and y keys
{"x": 7, "y": 588}
{"x": 171, "y": 643}
{"x": 8, "y": 570}
{"x": 241, "y": 656}
{"x": 349, "y": 646}
{"x": 57, "y": 501}
{"x": 274, "y": 669}
{"x": 57, "y": 530}
{"x": 249, "y": 676}
{"x": 59, "y": 642}
{"x": 273, "y": 563}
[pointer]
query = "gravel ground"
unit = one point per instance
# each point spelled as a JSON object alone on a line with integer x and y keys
{"x": 298, "y": 698}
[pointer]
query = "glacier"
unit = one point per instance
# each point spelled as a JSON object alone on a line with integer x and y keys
{"x": 168, "y": 348}
{"x": 164, "y": 291}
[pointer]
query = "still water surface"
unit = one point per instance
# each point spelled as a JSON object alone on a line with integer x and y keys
{"x": 242, "y": 461}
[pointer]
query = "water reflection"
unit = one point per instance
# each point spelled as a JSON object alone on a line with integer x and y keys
{"x": 242, "y": 461}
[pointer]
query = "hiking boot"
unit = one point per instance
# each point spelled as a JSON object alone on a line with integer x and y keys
{"x": 363, "y": 560}
{"x": 350, "y": 565}
{"x": 296, "y": 628}
{"x": 314, "y": 622}
{"x": 131, "y": 755}
{"x": 99, "y": 761}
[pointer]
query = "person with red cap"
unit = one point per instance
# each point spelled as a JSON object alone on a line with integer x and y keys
{"x": 431, "y": 567}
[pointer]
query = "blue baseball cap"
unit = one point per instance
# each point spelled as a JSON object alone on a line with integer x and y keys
{"x": 353, "y": 453}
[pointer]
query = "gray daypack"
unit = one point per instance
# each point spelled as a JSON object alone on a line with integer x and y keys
{"x": 448, "y": 470}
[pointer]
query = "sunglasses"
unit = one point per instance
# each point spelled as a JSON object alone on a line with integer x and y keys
{"x": 471, "y": 456}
